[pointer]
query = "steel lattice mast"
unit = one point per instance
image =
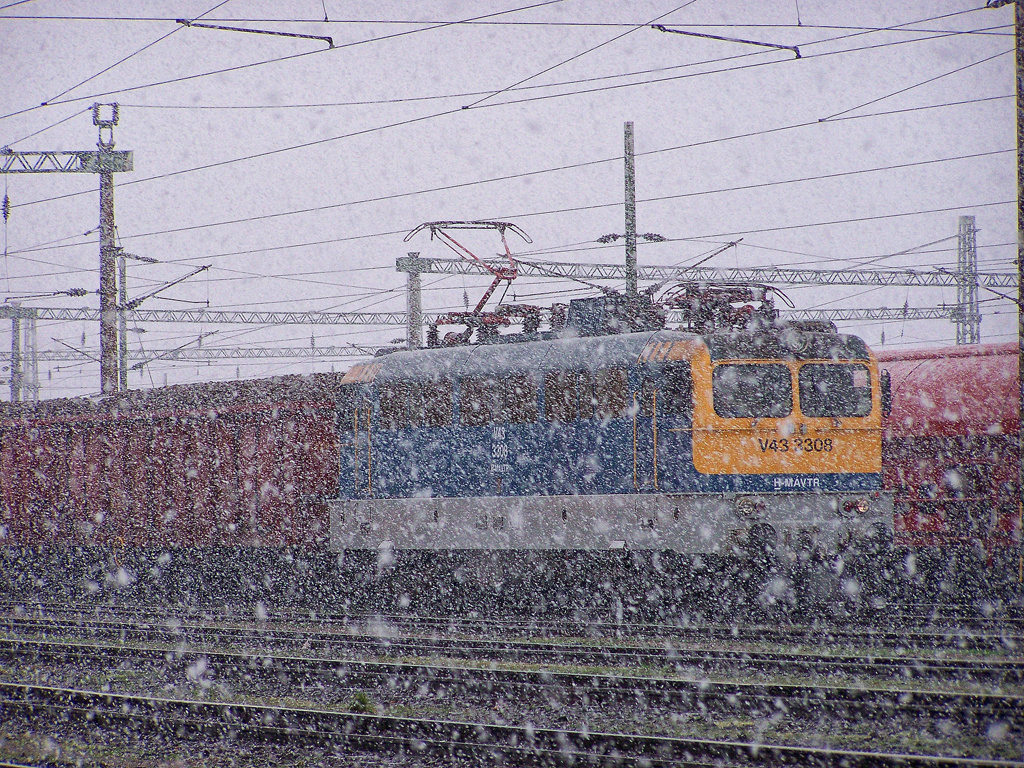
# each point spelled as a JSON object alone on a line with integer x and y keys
{"x": 106, "y": 162}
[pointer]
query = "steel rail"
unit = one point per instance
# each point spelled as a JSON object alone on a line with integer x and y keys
{"x": 935, "y": 617}
{"x": 809, "y": 699}
{"x": 317, "y": 637}
{"x": 960, "y": 624}
{"x": 1009, "y": 671}
{"x": 458, "y": 740}
{"x": 895, "y": 638}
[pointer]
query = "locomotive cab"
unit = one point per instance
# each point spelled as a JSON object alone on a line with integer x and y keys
{"x": 802, "y": 412}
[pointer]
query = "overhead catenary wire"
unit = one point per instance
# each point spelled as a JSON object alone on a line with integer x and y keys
{"x": 481, "y": 22}
{"x": 723, "y": 70}
{"x": 248, "y": 274}
{"x": 918, "y": 85}
{"x": 351, "y": 238}
{"x": 466, "y": 94}
{"x": 120, "y": 61}
{"x": 239, "y": 67}
{"x": 11, "y": 5}
{"x": 523, "y": 256}
{"x": 524, "y": 174}
{"x": 431, "y": 116}
{"x": 814, "y": 258}
{"x": 343, "y": 136}
{"x": 772, "y": 229}
{"x": 681, "y": 195}
{"x": 577, "y": 56}
{"x": 73, "y": 115}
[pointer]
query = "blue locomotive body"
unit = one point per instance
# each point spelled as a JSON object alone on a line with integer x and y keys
{"x": 484, "y": 446}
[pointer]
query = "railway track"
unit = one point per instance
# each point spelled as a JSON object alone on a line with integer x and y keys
{"x": 457, "y": 741}
{"x": 321, "y": 630}
{"x": 810, "y": 700}
{"x": 678, "y": 660}
{"x": 631, "y": 686}
{"x": 925, "y": 620}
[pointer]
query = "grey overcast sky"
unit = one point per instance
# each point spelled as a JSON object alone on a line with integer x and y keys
{"x": 295, "y": 170}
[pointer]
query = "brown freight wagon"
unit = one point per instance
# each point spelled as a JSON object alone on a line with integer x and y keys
{"x": 223, "y": 464}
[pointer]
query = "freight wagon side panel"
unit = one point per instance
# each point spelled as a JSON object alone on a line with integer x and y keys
{"x": 268, "y": 518}
{"x": 225, "y": 498}
{"x": 316, "y": 476}
{"x": 237, "y": 464}
{"x": 161, "y": 470}
{"x": 142, "y": 512}
{"x": 119, "y": 524}
{"x": 950, "y": 447}
{"x": 188, "y": 525}
{"x": 285, "y": 481}
{"x": 77, "y": 511}
{"x": 198, "y": 479}
{"x": 49, "y": 473}
{"x": 248, "y": 492}
{"x": 954, "y": 391}
{"x": 97, "y": 486}
{"x": 15, "y": 515}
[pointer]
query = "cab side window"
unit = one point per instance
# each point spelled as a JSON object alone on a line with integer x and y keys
{"x": 611, "y": 392}
{"x": 568, "y": 395}
{"x": 478, "y": 404}
{"x": 511, "y": 399}
{"x": 430, "y": 403}
{"x": 346, "y": 413}
{"x": 519, "y": 399}
{"x": 393, "y": 405}
{"x": 835, "y": 389}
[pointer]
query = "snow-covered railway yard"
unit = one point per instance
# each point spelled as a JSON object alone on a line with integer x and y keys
{"x": 245, "y": 693}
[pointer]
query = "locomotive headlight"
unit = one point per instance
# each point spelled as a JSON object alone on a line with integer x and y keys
{"x": 856, "y": 506}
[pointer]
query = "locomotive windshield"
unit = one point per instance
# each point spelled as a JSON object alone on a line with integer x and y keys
{"x": 752, "y": 390}
{"x": 835, "y": 389}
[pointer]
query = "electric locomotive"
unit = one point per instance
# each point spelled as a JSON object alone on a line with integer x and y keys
{"x": 730, "y": 434}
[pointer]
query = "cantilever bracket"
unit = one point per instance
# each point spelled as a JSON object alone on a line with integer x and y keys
{"x": 663, "y": 28}
{"x": 187, "y": 23}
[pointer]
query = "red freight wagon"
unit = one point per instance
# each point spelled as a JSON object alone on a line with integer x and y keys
{"x": 950, "y": 446}
{"x": 220, "y": 464}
